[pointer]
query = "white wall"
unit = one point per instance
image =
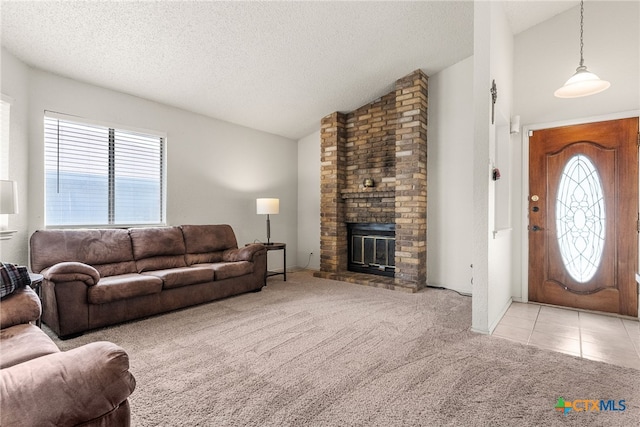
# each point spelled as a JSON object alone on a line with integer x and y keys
{"x": 309, "y": 201}
{"x": 545, "y": 57}
{"x": 15, "y": 85}
{"x": 500, "y": 244}
{"x": 493, "y": 59}
{"x": 450, "y": 177}
{"x": 215, "y": 169}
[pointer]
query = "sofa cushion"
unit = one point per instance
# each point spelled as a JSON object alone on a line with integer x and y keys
{"x": 110, "y": 248}
{"x": 206, "y": 243}
{"x": 24, "y": 342}
{"x": 157, "y": 248}
{"x": 124, "y": 286}
{"x": 115, "y": 268}
{"x": 205, "y": 258}
{"x": 183, "y": 276}
{"x": 226, "y": 270}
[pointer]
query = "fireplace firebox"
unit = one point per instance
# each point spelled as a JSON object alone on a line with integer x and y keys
{"x": 371, "y": 248}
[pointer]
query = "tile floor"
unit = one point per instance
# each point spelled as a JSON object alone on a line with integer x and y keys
{"x": 588, "y": 335}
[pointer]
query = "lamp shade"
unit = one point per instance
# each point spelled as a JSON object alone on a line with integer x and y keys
{"x": 582, "y": 83}
{"x": 8, "y": 197}
{"x": 267, "y": 206}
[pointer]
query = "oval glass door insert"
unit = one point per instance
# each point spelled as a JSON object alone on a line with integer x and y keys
{"x": 580, "y": 218}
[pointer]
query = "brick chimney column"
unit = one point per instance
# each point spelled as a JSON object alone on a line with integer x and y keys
{"x": 333, "y": 229}
{"x": 411, "y": 179}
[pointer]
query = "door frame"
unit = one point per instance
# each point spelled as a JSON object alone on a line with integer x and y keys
{"x": 525, "y": 185}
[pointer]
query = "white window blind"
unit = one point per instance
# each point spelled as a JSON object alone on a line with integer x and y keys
{"x": 99, "y": 176}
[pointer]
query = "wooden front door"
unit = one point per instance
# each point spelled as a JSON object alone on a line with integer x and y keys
{"x": 583, "y": 216}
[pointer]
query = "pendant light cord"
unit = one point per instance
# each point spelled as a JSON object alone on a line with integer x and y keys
{"x": 581, "y": 31}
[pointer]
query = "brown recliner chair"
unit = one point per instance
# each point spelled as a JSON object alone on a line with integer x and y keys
{"x": 42, "y": 386}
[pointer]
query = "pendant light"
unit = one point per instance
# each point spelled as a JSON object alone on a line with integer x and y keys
{"x": 583, "y": 82}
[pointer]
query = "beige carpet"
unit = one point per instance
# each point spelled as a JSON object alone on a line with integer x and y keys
{"x": 315, "y": 352}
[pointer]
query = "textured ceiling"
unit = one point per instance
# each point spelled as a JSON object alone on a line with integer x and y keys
{"x": 274, "y": 66}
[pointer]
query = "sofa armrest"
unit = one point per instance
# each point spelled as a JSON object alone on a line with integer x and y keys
{"x": 71, "y": 272}
{"x": 66, "y": 388}
{"x": 22, "y": 306}
{"x": 246, "y": 253}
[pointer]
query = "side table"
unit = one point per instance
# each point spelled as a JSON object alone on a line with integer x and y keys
{"x": 36, "y": 284}
{"x": 277, "y": 247}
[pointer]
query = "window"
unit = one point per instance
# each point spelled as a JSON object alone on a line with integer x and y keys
{"x": 580, "y": 218}
{"x": 101, "y": 176}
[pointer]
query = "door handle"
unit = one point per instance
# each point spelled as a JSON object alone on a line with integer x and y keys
{"x": 535, "y": 228}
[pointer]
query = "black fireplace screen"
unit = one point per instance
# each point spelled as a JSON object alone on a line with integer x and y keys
{"x": 372, "y": 248}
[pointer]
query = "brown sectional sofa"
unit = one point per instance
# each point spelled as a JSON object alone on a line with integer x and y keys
{"x": 100, "y": 277}
{"x": 42, "y": 386}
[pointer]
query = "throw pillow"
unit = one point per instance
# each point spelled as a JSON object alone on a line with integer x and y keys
{"x": 12, "y": 277}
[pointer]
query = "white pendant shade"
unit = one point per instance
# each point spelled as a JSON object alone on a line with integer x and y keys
{"x": 582, "y": 83}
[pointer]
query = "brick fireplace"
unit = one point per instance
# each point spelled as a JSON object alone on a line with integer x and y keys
{"x": 374, "y": 171}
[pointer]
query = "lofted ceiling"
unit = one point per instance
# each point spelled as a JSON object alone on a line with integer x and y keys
{"x": 278, "y": 67}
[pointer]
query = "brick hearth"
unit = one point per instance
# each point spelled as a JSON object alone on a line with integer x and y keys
{"x": 386, "y": 141}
